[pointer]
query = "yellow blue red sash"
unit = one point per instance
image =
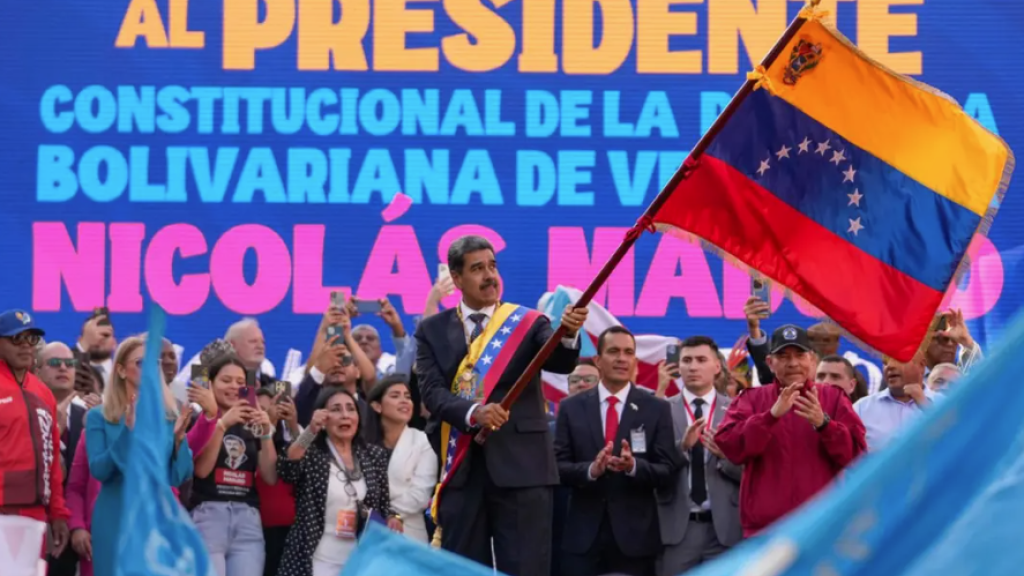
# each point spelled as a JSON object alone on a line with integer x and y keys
{"x": 476, "y": 378}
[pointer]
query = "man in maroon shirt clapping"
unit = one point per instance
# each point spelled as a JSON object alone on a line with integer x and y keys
{"x": 792, "y": 436}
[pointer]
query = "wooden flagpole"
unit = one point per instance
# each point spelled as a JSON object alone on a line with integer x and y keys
{"x": 646, "y": 220}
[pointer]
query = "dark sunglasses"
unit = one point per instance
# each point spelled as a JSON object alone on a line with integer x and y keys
{"x": 347, "y": 360}
{"x": 67, "y": 362}
{"x": 577, "y": 378}
{"x": 22, "y": 338}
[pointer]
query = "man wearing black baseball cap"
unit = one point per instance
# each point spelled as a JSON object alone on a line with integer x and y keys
{"x": 31, "y": 480}
{"x": 793, "y": 436}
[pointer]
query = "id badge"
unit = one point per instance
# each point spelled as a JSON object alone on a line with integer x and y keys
{"x": 638, "y": 441}
{"x": 346, "y": 526}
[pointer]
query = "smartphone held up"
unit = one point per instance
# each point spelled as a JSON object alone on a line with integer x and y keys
{"x": 761, "y": 289}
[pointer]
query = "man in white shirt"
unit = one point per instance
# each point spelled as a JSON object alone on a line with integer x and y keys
{"x": 885, "y": 413}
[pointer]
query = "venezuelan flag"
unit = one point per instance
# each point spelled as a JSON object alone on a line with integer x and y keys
{"x": 856, "y": 188}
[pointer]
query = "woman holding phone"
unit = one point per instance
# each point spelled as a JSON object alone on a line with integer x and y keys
{"x": 341, "y": 483}
{"x": 224, "y": 491}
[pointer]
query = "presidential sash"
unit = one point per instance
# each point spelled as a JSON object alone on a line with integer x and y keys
{"x": 476, "y": 378}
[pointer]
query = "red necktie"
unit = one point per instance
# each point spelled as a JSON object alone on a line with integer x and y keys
{"x": 611, "y": 421}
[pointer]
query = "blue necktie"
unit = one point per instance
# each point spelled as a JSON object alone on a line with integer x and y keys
{"x": 478, "y": 328}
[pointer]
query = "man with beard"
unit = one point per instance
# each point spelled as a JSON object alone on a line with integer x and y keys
{"x": 792, "y": 436}
{"x": 246, "y": 337}
{"x": 496, "y": 496}
{"x": 886, "y": 412}
{"x": 96, "y": 344}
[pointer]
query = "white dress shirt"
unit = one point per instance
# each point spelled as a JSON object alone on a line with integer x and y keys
{"x": 469, "y": 326}
{"x": 603, "y": 394}
{"x": 709, "y": 399}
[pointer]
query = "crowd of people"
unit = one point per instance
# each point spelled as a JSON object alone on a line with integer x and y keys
{"x": 281, "y": 479}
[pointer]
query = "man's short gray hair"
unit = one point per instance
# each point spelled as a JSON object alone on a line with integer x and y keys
{"x": 366, "y": 328}
{"x": 235, "y": 330}
{"x": 939, "y": 368}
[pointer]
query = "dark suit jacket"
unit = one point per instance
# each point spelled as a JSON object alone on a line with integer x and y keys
{"x": 76, "y": 425}
{"x": 628, "y": 501}
{"x": 519, "y": 454}
{"x": 721, "y": 476}
{"x": 759, "y": 354}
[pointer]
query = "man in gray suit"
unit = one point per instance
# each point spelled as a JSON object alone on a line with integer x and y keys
{"x": 699, "y": 517}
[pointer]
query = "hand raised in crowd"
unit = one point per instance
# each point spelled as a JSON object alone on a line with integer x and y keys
{"x": 329, "y": 357}
{"x": 318, "y": 421}
{"x": 81, "y": 542}
{"x": 666, "y": 374}
{"x": 129, "y": 413}
{"x": 956, "y": 329}
{"x": 204, "y": 398}
{"x": 93, "y": 334}
{"x": 444, "y": 287}
{"x": 600, "y": 463}
{"x": 260, "y": 416}
{"x": 391, "y": 318}
{"x": 181, "y": 426}
{"x": 916, "y": 393}
{"x": 693, "y": 433}
{"x": 754, "y": 310}
{"x": 786, "y": 398}
{"x": 286, "y": 412}
{"x": 91, "y": 400}
{"x": 62, "y": 413}
{"x": 809, "y": 408}
{"x": 236, "y": 415}
{"x": 573, "y": 319}
{"x": 492, "y": 416}
{"x": 624, "y": 462}
{"x": 708, "y": 439}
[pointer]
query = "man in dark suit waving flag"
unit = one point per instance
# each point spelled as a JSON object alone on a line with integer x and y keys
{"x": 467, "y": 358}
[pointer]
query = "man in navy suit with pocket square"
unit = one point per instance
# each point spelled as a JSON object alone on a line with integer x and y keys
{"x": 614, "y": 446}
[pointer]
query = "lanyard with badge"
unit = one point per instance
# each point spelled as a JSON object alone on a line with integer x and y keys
{"x": 346, "y": 525}
{"x": 709, "y": 415}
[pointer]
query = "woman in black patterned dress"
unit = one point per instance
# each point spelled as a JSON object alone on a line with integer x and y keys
{"x": 341, "y": 484}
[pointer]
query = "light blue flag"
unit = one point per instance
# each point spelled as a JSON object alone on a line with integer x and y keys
{"x": 555, "y": 306}
{"x": 945, "y": 497}
{"x": 158, "y": 537}
{"x": 382, "y": 552}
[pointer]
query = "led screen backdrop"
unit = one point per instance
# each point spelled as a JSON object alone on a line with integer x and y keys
{"x": 235, "y": 157}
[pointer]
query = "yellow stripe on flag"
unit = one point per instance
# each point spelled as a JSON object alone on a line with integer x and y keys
{"x": 908, "y": 125}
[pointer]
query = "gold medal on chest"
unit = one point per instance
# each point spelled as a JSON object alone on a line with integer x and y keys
{"x": 466, "y": 382}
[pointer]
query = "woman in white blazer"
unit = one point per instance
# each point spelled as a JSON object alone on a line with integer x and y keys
{"x": 412, "y": 470}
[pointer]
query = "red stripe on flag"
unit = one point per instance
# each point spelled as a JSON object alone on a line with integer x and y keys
{"x": 878, "y": 304}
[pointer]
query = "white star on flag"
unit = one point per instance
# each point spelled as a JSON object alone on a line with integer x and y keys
{"x": 487, "y": 359}
{"x": 804, "y": 146}
{"x": 838, "y": 157}
{"x": 783, "y": 152}
{"x": 855, "y": 198}
{"x": 823, "y": 147}
{"x": 855, "y": 226}
{"x": 764, "y": 168}
{"x": 516, "y": 318}
{"x": 451, "y": 442}
{"x": 505, "y": 330}
{"x": 848, "y": 174}
{"x": 496, "y": 344}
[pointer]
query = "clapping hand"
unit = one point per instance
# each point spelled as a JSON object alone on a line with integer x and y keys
{"x": 809, "y": 408}
{"x": 624, "y": 462}
{"x": 600, "y": 463}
